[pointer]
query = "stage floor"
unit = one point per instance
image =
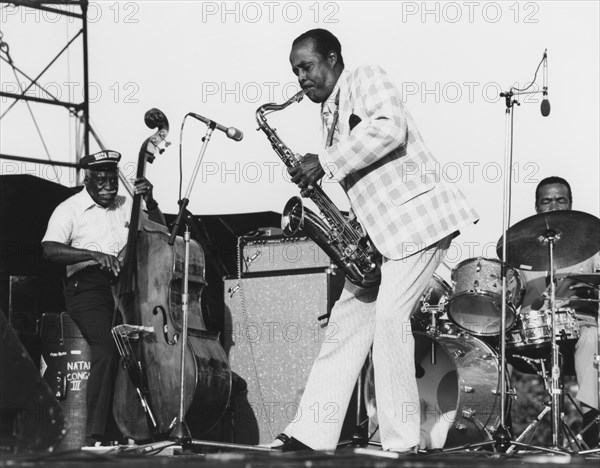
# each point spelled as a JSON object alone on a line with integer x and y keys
{"x": 110, "y": 457}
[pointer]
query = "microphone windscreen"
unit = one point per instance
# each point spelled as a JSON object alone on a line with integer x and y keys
{"x": 545, "y": 107}
{"x": 235, "y": 134}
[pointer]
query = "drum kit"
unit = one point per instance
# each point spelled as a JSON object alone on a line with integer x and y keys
{"x": 463, "y": 387}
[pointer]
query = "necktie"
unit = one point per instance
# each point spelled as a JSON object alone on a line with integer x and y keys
{"x": 330, "y": 117}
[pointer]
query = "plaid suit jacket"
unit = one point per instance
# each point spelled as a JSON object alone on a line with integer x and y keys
{"x": 393, "y": 182}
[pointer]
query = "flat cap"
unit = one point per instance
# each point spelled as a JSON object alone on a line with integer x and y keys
{"x": 101, "y": 161}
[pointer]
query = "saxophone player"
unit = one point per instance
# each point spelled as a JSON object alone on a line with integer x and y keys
{"x": 373, "y": 149}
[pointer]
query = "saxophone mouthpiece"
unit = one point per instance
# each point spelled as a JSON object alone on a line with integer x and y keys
{"x": 298, "y": 96}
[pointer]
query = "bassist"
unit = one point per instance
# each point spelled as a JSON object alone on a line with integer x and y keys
{"x": 87, "y": 233}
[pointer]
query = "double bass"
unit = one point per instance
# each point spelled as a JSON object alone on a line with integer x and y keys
{"x": 149, "y": 297}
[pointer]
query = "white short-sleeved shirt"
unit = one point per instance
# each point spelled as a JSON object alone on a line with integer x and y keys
{"x": 81, "y": 223}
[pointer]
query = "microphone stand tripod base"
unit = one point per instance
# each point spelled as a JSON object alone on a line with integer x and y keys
{"x": 181, "y": 434}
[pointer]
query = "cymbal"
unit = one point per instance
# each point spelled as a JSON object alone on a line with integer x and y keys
{"x": 593, "y": 279}
{"x": 575, "y": 233}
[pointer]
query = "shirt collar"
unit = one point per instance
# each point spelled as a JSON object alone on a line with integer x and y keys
{"x": 86, "y": 202}
{"x": 338, "y": 86}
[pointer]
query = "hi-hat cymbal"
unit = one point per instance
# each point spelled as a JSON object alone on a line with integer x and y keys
{"x": 576, "y": 237}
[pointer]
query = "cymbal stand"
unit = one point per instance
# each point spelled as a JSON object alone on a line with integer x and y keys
{"x": 550, "y": 237}
{"x": 530, "y": 429}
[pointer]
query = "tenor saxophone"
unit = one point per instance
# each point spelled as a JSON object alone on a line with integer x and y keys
{"x": 341, "y": 238}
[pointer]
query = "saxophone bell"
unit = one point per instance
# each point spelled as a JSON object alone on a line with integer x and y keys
{"x": 292, "y": 217}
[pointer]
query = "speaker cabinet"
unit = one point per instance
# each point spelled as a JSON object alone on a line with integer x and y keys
{"x": 29, "y": 297}
{"x": 273, "y": 333}
{"x": 31, "y": 420}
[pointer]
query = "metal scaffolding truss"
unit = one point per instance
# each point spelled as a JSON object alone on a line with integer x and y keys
{"x": 80, "y": 110}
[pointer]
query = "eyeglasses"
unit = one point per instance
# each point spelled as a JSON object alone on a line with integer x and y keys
{"x": 103, "y": 181}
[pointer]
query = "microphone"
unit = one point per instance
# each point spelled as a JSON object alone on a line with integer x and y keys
{"x": 231, "y": 132}
{"x": 545, "y": 106}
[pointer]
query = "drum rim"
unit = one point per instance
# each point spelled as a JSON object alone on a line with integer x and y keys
{"x": 442, "y": 281}
{"x": 493, "y": 260}
{"x": 472, "y": 259}
{"x": 512, "y": 308}
{"x": 510, "y": 326}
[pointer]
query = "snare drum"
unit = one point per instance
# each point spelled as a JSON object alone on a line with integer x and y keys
{"x": 532, "y": 334}
{"x": 475, "y": 303}
{"x": 459, "y": 394}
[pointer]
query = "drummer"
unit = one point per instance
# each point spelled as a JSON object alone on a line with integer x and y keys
{"x": 554, "y": 193}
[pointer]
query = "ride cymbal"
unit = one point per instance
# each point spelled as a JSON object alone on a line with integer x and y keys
{"x": 576, "y": 237}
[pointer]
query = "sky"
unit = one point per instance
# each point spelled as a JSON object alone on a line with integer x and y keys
{"x": 223, "y": 60}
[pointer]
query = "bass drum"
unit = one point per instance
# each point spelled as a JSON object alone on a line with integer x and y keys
{"x": 459, "y": 395}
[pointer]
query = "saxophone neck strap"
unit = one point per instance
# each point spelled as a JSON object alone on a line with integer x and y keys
{"x": 335, "y": 120}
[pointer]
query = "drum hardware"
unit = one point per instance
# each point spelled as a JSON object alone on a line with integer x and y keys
{"x": 433, "y": 327}
{"x": 512, "y": 393}
{"x": 431, "y": 304}
{"x": 574, "y": 439}
{"x": 533, "y": 425}
{"x": 470, "y": 415}
{"x": 558, "y": 232}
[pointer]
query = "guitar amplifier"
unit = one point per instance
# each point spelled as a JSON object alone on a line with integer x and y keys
{"x": 278, "y": 253}
{"x": 273, "y": 334}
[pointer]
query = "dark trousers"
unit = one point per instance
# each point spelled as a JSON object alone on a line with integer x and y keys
{"x": 89, "y": 302}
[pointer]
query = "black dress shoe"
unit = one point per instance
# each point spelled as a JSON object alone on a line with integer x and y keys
{"x": 289, "y": 444}
{"x": 294, "y": 445}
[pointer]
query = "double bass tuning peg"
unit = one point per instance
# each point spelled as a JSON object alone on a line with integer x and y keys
{"x": 162, "y": 150}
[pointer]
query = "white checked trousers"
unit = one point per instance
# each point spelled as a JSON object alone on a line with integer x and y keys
{"x": 359, "y": 319}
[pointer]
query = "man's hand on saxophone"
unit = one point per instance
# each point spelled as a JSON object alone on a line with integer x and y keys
{"x": 306, "y": 173}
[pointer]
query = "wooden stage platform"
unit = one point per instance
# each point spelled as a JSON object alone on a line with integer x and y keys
{"x": 200, "y": 457}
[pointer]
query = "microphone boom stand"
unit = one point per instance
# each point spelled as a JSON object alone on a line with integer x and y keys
{"x": 502, "y": 441}
{"x": 180, "y": 433}
{"x": 502, "y": 436}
